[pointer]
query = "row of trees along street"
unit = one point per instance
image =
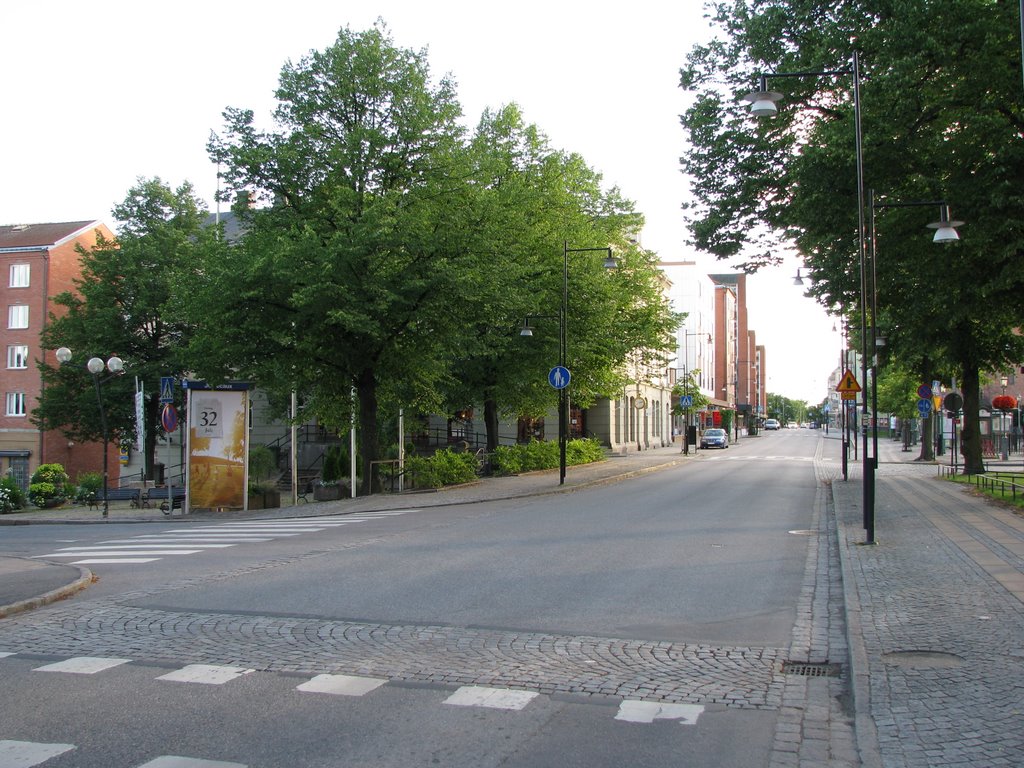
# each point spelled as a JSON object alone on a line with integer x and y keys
{"x": 387, "y": 259}
{"x": 942, "y": 119}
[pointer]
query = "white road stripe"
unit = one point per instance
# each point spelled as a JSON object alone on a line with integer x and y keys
{"x": 214, "y": 532}
{"x": 649, "y": 711}
{"x": 115, "y": 560}
{"x": 207, "y": 537}
{"x": 144, "y": 541}
{"x": 208, "y": 674}
{"x": 493, "y": 698}
{"x": 82, "y": 665}
{"x": 175, "y": 761}
{"x": 135, "y": 552}
{"x": 341, "y": 685}
{"x": 25, "y": 754}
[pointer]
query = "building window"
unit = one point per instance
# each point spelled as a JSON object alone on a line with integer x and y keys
{"x": 17, "y": 356}
{"x": 15, "y": 403}
{"x": 17, "y": 316}
{"x": 20, "y": 275}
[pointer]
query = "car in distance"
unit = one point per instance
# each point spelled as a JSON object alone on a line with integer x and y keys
{"x": 714, "y": 438}
{"x": 771, "y": 423}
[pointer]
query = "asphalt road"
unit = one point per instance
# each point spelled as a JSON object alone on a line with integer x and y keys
{"x": 640, "y": 623}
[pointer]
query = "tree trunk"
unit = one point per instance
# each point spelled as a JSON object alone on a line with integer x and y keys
{"x": 928, "y": 438}
{"x": 491, "y": 423}
{"x": 369, "y": 442}
{"x": 971, "y": 435}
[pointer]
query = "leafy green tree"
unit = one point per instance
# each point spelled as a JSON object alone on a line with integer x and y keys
{"x": 124, "y": 305}
{"x": 938, "y": 124}
{"x": 350, "y": 275}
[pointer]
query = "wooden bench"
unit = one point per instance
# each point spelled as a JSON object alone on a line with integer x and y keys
{"x": 177, "y": 498}
{"x": 132, "y": 495}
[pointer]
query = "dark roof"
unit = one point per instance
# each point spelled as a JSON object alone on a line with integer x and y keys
{"x": 233, "y": 226}
{"x": 38, "y": 235}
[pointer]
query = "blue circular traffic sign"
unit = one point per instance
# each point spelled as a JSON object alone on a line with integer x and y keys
{"x": 559, "y": 376}
{"x": 169, "y": 418}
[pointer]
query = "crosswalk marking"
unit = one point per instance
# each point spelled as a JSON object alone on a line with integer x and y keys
{"x": 82, "y": 665}
{"x": 25, "y": 754}
{"x": 750, "y": 457}
{"x": 649, "y": 711}
{"x": 493, "y": 698}
{"x": 134, "y": 552}
{"x": 208, "y": 674}
{"x": 341, "y": 685}
{"x": 148, "y": 548}
{"x": 174, "y": 761}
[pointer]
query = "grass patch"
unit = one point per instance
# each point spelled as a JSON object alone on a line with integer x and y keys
{"x": 1005, "y": 487}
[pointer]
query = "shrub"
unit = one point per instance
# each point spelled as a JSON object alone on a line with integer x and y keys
{"x": 539, "y": 454}
{"x": 446, "y": 467}
{"x": 48, "y": 486}
{"x": 261, "y": 463}
{"x": 89, "y": 488}
{"x": 507, "y": 460}
{"x": 583, "y": 451}
{"x": 11, "y": 495}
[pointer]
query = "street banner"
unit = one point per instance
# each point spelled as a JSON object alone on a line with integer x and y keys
{"x": 217, "y": 450}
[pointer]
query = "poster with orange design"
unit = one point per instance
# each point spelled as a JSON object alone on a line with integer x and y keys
{"x": 217, "y": 450}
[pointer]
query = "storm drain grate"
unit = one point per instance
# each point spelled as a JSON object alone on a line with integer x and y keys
{"x": 805, "y": 669}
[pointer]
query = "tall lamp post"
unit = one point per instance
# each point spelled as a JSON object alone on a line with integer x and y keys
{"x": 558, "y": 378}
{"x": 762, "y": 104}
{"x": 96, "y": 366}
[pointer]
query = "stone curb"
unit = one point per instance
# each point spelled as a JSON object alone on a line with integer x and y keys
{"x": 85, "y": 578}
{"x": 860, "y": 679}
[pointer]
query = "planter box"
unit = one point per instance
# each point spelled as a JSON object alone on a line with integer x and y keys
{"x": 327, "y": 492}
{"x": 268, "y": 499}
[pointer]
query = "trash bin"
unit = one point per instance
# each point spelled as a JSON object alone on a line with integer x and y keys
{"x": 691, "y": 436}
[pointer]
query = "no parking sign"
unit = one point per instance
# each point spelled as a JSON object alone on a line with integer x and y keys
{"x": 169, "y": 418}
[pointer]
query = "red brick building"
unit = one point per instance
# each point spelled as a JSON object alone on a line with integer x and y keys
{"x": 37, "y": 262}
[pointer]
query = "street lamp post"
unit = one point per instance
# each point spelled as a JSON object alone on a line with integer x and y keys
{"x": 96, "y": 366}
{"x": 563, "y": 347}
{"x": 762, "y": 104}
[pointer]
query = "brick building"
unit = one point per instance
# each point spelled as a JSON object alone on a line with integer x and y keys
{"x": 37, "y": 262}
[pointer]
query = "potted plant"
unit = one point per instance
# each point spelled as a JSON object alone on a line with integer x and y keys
{"x": 48, "y": 486}
{"x": 263, "y": 492}
{"x": 329, "y": 487}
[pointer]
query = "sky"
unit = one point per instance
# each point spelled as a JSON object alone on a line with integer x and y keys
{"x": 101, "y": 93}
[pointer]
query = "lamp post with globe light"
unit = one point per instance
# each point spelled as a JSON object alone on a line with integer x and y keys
{"x": 96, "y": 366}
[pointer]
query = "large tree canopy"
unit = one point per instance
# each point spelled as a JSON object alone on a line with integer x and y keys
{"x": 125, "y": 305}
{"x": 941, "y": 120}
{"x": 387, "y": 254}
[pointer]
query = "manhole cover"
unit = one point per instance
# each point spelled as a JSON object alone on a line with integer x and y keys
{"x": 806, "y": 669}
{"x": 922, "y": 659}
